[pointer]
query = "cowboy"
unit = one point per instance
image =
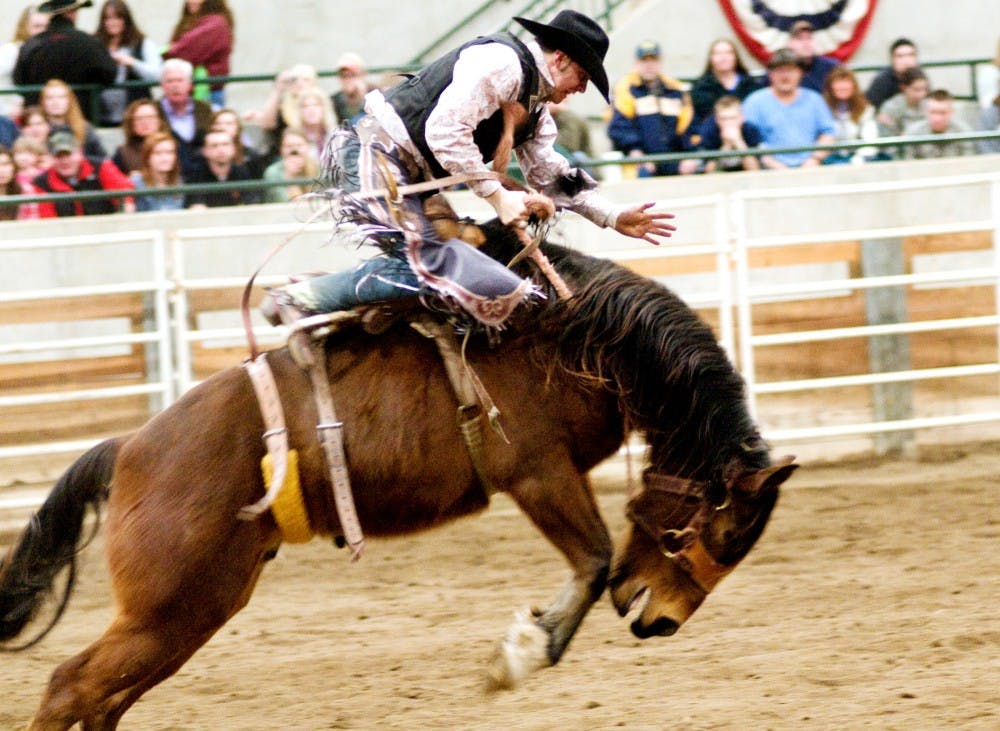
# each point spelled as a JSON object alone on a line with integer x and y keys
{"x": 449, "y": 119}
{"x": 64, "y": 52}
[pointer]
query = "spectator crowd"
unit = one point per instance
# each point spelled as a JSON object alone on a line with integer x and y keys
{"x": 176, "y": 129}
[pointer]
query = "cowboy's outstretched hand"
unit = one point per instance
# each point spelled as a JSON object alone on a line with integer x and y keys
{"x": 640, "y": 223}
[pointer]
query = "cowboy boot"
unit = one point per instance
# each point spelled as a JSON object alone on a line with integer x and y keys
{"x": 280, "y": 308}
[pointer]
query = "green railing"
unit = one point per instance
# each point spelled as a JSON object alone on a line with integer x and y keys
{"x": 969, "y": 63}
{"x": 883, "y": 142}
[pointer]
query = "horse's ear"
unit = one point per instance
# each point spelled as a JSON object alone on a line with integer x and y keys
{"x": 770, "y": 478}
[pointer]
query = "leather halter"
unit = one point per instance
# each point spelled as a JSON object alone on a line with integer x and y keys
{"x": 691, "y": 556}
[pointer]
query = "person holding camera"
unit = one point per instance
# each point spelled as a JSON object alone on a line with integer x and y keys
{"x": 296, "y": 162}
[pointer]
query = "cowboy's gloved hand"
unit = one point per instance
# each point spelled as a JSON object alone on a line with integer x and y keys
{"x": 511, "y": 206}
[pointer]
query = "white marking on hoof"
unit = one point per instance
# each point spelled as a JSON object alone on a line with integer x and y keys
{"x": 524, "y": 650}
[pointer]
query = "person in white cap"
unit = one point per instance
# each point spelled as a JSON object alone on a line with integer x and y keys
{"x": 349, "y": 102}
{"x": 449, "y": 119}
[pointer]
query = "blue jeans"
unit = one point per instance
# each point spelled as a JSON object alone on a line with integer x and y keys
{"x": 376, "y": 280}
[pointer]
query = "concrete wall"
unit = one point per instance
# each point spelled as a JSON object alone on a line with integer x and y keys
{"x": 274, "y": 35}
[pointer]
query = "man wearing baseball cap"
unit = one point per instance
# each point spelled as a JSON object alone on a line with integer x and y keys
{"x": 464, "y": 113}
{"x": 652, "y": 114}
{"x": 349, "y": 102}
{"x": 789, "y": 115}
{"x": 72, "y": 172}
{"x": 815, "y": 68}
{"x": 63, "y": 52}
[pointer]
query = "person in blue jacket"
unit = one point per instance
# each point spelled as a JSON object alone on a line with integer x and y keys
{"x": 652, "y": 114}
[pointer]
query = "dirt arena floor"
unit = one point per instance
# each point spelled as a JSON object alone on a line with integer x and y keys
{"x": 871, "y": 602}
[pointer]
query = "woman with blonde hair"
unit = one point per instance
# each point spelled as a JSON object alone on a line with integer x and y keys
{"x": 314, "y": 117}
{"x": 297, "y": 161}
{"x": 282, "y": 103}
{"x": 203, "y": 36}
{"x": 161, "y": 168}
{"x": 29, "y": 23}
{"x": 62, "y": 111}
{"x": 853, "y": 116}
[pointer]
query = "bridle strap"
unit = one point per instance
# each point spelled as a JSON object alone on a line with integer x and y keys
{"x": 699, "y": 565}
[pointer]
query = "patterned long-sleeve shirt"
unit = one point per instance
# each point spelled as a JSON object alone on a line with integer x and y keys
{"x": 485, "y": 77}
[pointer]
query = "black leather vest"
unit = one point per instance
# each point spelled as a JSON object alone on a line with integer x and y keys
{"x": 415, "y": 98}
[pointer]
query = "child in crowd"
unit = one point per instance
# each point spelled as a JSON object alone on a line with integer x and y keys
{"x": 35, "y": 125}
{"x": 31, "y": 158}
{"x": 726, "y": 129}
{"x": 906, "y": 107}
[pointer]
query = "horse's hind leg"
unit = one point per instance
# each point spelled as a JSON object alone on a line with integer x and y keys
{"x": 97, "y": 686}
{"x": 100, "y": 684}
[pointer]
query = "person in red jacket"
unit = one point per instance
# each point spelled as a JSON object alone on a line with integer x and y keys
{"x": 204, "y": 37}
{"x": 72, "y": 172}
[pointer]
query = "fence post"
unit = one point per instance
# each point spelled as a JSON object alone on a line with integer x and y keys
{"x": 887, "y": 305}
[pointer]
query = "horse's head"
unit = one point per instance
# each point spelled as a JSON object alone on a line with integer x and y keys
{"x": 684, "y": 537}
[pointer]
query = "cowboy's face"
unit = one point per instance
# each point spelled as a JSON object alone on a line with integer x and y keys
{"x": 568, "y": 77}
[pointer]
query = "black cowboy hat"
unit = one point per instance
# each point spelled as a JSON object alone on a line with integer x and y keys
{"x": 580, "y": 38}
{"x": 61, "y": 6}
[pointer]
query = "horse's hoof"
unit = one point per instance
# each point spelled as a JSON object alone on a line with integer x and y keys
{"x": 524, "y": 650}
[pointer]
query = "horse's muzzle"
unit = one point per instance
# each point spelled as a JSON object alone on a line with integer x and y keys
{"x": 661, "y": 627}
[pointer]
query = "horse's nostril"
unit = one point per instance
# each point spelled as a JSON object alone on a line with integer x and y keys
{"x": 662, "y": 627}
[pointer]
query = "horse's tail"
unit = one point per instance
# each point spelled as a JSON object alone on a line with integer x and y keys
{"x": 50, "y": 543}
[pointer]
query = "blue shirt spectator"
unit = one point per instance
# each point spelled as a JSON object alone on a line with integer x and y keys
{"x": 788, "y": 115}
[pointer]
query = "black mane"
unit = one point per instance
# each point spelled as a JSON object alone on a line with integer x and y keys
{"x": 676, "y": 384}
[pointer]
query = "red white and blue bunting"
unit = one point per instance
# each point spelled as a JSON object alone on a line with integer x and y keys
{"x": 763, "y": 25}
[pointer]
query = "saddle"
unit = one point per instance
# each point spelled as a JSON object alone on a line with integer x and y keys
{"x": 307, "y": 339}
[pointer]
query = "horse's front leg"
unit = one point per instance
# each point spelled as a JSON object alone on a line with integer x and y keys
{"x": 564, "y": 510}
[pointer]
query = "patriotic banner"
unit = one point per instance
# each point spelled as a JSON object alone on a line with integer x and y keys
{"x": 763, "y": 25}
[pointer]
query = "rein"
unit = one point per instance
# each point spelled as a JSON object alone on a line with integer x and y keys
{"x": 684, "y": 545}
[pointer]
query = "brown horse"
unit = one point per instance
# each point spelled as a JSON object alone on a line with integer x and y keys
{"x": 571, "y": 379}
